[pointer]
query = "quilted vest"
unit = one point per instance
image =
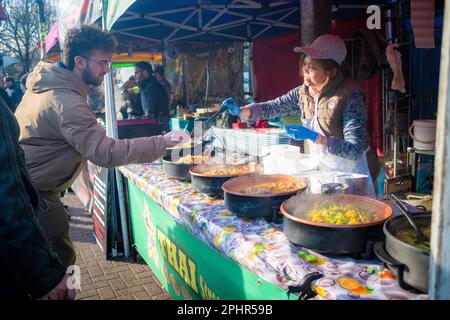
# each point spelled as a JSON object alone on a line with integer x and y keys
{"x": 331, "y": 104}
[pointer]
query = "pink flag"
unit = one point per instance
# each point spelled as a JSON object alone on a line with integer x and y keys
{"x": 52, "y": 38}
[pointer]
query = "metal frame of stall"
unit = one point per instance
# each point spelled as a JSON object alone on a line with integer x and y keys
{"x": 204, "y": 27}
{"x": 439, "y": 285}
{"x": 440, "y": 261}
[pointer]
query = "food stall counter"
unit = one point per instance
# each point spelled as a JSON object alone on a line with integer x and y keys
{"x": 254, "y": 248}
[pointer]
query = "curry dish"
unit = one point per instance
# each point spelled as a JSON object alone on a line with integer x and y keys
{"x": 230, "y": 171}
{"x": 341, "y": 214}
{"x": 192, "y": 159}
{"x": 273, "y": 187}
{"x": 410, "y": 237}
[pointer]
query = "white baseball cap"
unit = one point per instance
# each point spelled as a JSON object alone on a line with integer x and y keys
{"x": 327, "y": 46}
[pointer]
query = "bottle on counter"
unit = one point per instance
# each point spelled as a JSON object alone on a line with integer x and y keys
{"x": 180, "y": 112}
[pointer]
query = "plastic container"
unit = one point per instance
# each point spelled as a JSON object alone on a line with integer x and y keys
{"x": 287, "y": 159}
{"x": 424, "y": 135}
{"x": 316, "y": 179}
{"x": 239, "y": 125}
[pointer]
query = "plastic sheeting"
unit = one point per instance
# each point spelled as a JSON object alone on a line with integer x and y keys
{"x": 188, "y": 73}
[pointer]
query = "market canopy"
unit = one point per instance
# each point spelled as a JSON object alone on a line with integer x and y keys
{"x": 192, "y": 20}
{"x": 211, "y": 20}
{"x": 217, "y": 20}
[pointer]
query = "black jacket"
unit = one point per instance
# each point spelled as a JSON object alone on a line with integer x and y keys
{"x": 28, "y": 268}
{"x": 154, "y": 98}
{"x": 16, "y": 94}
{"x": 7, "y": 99}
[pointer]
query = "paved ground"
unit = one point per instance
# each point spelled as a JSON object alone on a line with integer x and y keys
{"x": 102, "y": 279}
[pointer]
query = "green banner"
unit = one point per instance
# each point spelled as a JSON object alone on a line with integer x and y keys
{"x": 118, "y": 65}
{"x": 115, "y": 9}
{"x": 187, "y": 267}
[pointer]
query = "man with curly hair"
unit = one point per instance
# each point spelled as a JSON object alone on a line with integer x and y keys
{"x": 59, "y": 131}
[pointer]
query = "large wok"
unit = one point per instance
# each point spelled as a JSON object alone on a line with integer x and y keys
{"x": 356, "y": 240}
{"x": 267, "y": 205}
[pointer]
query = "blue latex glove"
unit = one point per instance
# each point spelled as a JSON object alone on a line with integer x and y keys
{"x": 231, "y": 107}
{"x": 300, "y": 133}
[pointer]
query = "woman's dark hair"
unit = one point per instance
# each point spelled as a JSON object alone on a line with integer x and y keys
{"x": 83, "y": 41}
{"x": 327, "y": 64}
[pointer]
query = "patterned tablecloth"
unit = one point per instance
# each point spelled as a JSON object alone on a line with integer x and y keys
{"x": 261, "y": 246}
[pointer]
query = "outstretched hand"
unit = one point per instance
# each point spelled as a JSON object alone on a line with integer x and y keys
{"x": 176, "y": 137}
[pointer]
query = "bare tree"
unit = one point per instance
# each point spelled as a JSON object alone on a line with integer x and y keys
{"x": 19, "y": 37}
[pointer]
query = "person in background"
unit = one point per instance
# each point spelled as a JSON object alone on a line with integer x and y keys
{"x": 159, "y": 75}
{"x": 59, "y": 131}
{"x": 28, "y": 267}
{"x": 14, "y": 92}
{"x": 131, "y": 95}
{"x": 154, "y": 99}
{"x": 5, "y": 96}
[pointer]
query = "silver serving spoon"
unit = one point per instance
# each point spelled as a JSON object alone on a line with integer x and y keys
{"x": 420, "y": 236}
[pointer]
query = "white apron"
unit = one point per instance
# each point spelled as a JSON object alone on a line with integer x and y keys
{"x": 330, "y": 162}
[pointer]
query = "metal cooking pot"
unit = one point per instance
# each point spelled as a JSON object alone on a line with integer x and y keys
{"x": 258, "y": 205}
{"x": 410, "y": 264}
{"x": 212, "y": 184}
{"x": 176, "y": 170}
{"x": 354, "y": 240}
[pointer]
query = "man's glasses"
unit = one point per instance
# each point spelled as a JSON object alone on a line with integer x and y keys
{"x": 103, "y": 63}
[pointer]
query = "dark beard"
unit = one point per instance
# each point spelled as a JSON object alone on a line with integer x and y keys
{"x": 90, "y": 80}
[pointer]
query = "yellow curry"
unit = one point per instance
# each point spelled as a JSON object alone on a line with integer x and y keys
{"x": 341, "y": 214}
{"x": 230, "y": 171}
{"x": 192, "y": 159}
{"x": 410, "y": 237}
{"x": 273, "y": 187}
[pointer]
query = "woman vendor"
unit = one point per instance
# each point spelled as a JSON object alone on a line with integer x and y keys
{"x": 332, "y": 109}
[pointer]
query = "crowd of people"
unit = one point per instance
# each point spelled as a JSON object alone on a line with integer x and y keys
{"x": 11, "y": 91}
{"x": 147, "y": 94}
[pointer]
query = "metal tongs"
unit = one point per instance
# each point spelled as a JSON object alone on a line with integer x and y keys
{"x": 420, "y": 236}
{"x": 210, "y": 121}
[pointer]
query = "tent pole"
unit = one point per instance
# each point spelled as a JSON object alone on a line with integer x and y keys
{"x": 251, "y": 75}
{"x": 315, "y": 19}
{"x": 439, "y": 274}
{"x": 111, "y": 131}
